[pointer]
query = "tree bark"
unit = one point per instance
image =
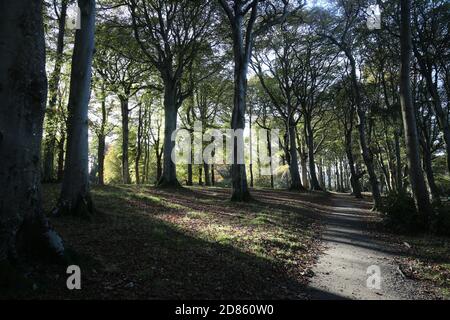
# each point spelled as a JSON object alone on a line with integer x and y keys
{"x": 239, "y": 176}
{"x": 269, "y": 152}
{"x": 207, "y": 174}
{"x": 24, "y": 229}
{"x": 125, "y": 139}
{"x": 61, "y": 145}
{"x": 354, "y": 178}
{"x": 102, "y": 141}
{"x": 200, "y": 175}
{"x": 137, "y": 159}
{"x": 101, "y": 160}
{"x": 398, "y": 161}
{"x": 416, "y": 177}
{"x": 75, "y": 196}
{"x": 168, "y": 177}
{"x": 296, "y": 183}
{"x": 314, "y": 182}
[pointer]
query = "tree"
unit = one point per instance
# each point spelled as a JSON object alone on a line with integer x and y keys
{"x": 170, "y": 35}
{"x": 416, "y": 177}
{"x": 282, "y": 83}
{"x": 430, "y": 46}
{"x": 75, "y": 192}
{"x": 117, "y": 63}
{"x": 101, "y": 127}
{"x": 55, "y": 78}
{"x": 242, "y": 17}
{"x": 345, "y": 114}
{"x": 24, "y": 229}
{"x": 342, "y": 37}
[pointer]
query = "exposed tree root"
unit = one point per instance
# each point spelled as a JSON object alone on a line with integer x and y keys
{"x": 239, "y": 196}
{"x": 83, "y": 207}
{"x": 163, "y": 183}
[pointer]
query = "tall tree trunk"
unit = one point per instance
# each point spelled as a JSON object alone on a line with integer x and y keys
{"x": 53, "y": 85}
{"x": 137, "y": 159}
{"x": 169, "y": 174}
{"x": 207, "y": 174}
{"x": 354, "y": 177}
{"x": 200, "y": 175}
{"x": 329, "y": 177}
{"x": 398, "y": 161}
{"x": 213, "y": 176}
{"x": 251, "y": 148}
{"x": 303, "y": 163}
{"x": 61, "y": 145}
{"x": 102, "y": 141}
{"x": 75, "y": 193}
{"x": 365, "y": 150}
{"x": 314, "y": 183}
{"x": 238, "y": 174}
{"x": 341, "y": 168}
{"x": 24, "y": 229}
{"x": 428, "y": 168}
{"x": 125, "y": 139}
{"x": 101, "y": 159}
{"x": 296, "y": 183}
{"x": 416, "y": 177}
{"x": 338, "y": 177}
{"x": 269, "y": 152}
{"x": 189, "y": 175}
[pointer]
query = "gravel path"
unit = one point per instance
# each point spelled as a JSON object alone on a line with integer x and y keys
{"x": 341, "y": 272}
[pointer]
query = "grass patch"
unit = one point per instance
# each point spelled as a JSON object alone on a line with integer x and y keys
{"x": 429, "y": 259}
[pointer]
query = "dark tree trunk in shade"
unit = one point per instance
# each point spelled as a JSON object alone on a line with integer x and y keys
{"x": 213, "y": 175}
{"x": 207, "y": 174}
{"x": 329, "y": 177}
{"x": 101, "y": 159}
{"x": 200, "y": 175}
{"x": 354, "y": 178}
{"x": 137, "y": 158}
{"x": 189, "y": 175}
{"x": 398, "y": 160}
{"x": 75, "y": 193}
{"x": 125, "y": 140}
{"x": 416, "y": 177}
{"x": 296, "y": 183}
{"x": 238, "y": 173}
{"x": 269, "y": 153}
{"x": 168, "y": 176}
{"x": 309, "y": 134}
{"x": 61, "y": 150}
{"x": 24, "y": 229}
{"x": 53, "y": 86}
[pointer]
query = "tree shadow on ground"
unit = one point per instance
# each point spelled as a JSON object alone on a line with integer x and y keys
{"x": 129, "y": 253}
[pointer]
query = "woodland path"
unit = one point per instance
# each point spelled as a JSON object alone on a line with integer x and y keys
{"x": 341, "y": 271}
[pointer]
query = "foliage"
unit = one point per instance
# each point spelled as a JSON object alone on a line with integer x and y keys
{"x": 400, "y": 214}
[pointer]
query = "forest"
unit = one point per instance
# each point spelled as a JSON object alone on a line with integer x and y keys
{"x": 225, "y": 149}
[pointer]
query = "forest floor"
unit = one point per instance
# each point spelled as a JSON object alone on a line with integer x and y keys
{"x": 193, "y": 243}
